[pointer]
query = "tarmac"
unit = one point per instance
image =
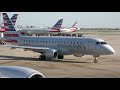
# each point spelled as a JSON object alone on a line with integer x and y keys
{"x": 108, "y": 66}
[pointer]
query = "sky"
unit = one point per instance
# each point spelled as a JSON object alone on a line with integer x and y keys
{"x": 85, "y": 19}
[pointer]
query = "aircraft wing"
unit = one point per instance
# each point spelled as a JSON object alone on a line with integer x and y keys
{"x": 35, "y": 49}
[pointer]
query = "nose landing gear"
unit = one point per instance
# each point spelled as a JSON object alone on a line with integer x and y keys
{"x": 96, "y": 58}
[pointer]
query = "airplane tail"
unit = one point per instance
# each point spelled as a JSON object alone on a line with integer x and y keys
{"x": 74, "y": 27}
{"x": 8, "y": 26}
{"x": 57, "y": 26}
{"x": 10, "y": 34}
{"x": 13, "y": 19}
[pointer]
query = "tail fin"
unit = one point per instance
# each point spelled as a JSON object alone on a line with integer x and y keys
{"x": 74, "y": 27}
{"x": 8, "y": 26}
{"x": 57, "y": 26}
{"x": 10, "y": 31}
{"x": 10, "y": 34}
{"x": 13, "y": 19}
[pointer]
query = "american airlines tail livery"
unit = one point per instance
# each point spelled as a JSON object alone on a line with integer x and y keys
{"x": 72, "y": 29}
{"x": 55, "y": 46}
{"x": 13, "y": 19}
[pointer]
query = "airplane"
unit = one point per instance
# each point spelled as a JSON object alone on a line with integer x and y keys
{"x": 72, "y": 29}
{"x": 19, "y": 72}
{"x": 54, "y": 46}
{"x": 31, "y": 31}
{"x": 42, "y": 31}
{"x": 13, "y": 19}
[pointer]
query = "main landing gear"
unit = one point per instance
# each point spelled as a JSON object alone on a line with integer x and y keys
{"x": 60, "y": 56}
{"x": 95, "y": 60}
{"x": 42, "y": 57}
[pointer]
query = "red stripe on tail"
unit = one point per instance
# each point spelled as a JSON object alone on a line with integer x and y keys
{"x": 2, "y": 30}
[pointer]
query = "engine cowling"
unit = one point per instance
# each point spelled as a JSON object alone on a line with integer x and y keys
{"x": 19, "y": 72}
{"x": 51, "y": 53}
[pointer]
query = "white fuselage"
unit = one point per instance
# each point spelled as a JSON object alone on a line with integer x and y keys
{"x": 37, "y": 31}
{"x": 65, "y": 30}
{"x": 40, "y": 31}
{"x": 67, "y": 45}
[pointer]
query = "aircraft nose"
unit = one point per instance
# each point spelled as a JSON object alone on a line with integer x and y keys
{"x": 110, "y": 50}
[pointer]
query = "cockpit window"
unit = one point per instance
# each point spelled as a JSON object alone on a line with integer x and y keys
{"x": 97, "y": 42}
{"x": 101, "y": 43}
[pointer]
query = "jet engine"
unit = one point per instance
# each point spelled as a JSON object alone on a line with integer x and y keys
{"x": 19, "y": 72}
{"x": 51, "y": 53}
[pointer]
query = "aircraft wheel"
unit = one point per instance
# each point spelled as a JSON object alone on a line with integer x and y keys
{"x": 42, "y": 57}
{"x": 60, "y": 56}
{"x": 95, "y": 61}
{"x": 96, "y": 58}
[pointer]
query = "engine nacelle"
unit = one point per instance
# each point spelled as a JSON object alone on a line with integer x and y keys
{"x": 51, "y": 53}
{"x": 79, "y": 55}
{"x": 19, "y": 72}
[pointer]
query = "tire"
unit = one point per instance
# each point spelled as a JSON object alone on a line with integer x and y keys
{"x": 95, "y": 61}
{"x": 42, "y": 57}
{"x": 60, "y": 56}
